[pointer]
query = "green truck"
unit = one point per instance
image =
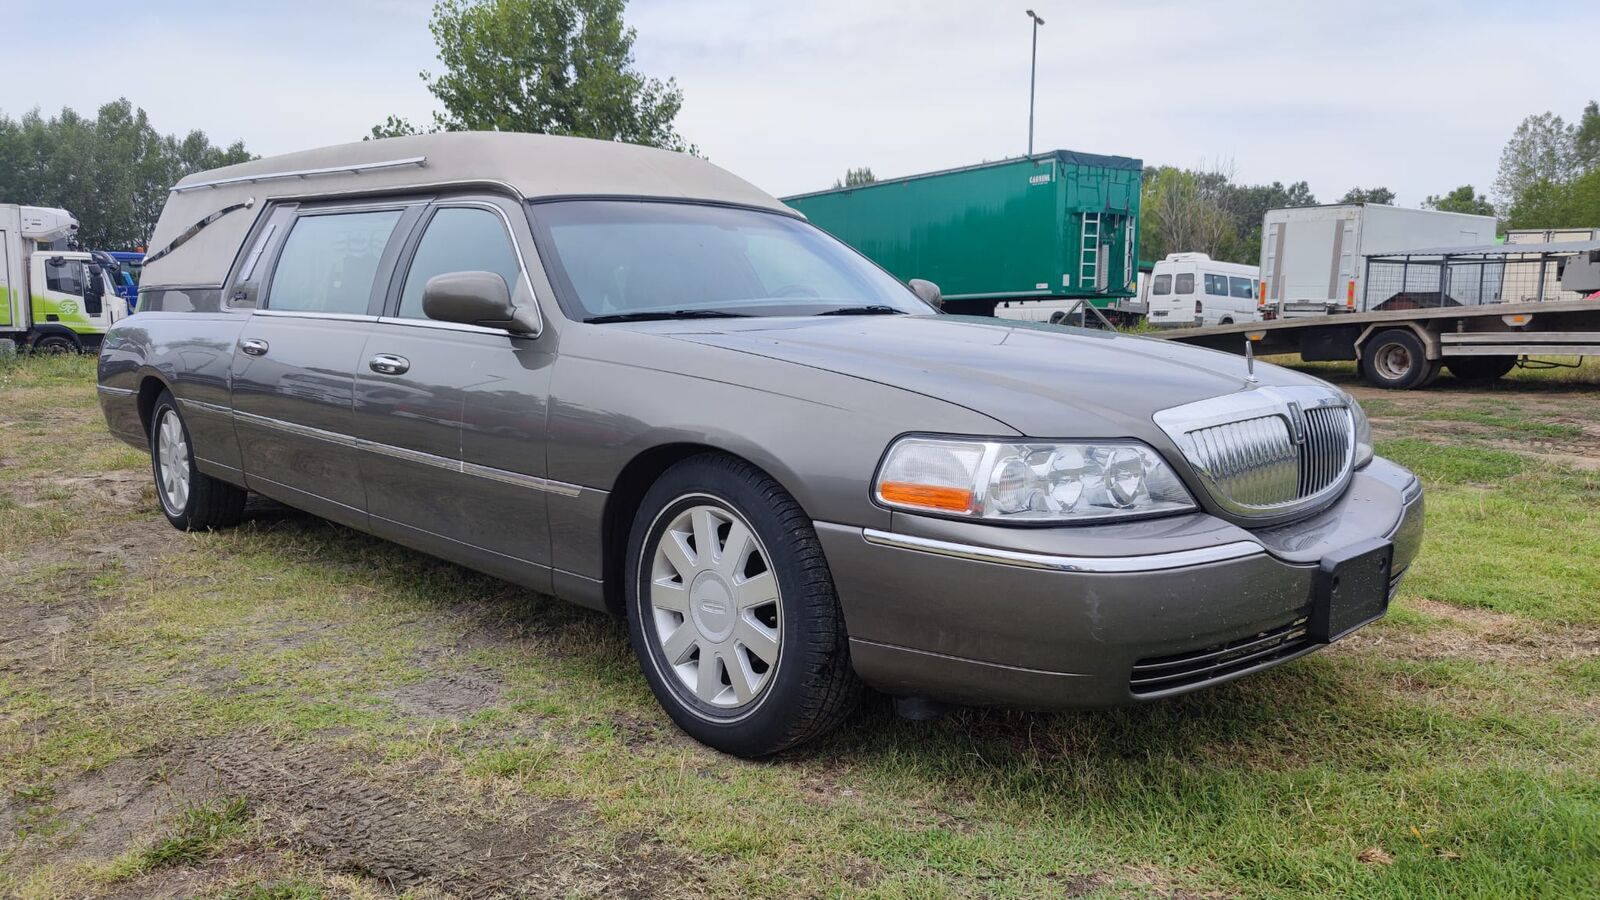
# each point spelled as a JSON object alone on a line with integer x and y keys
{"x": 1025, "y": 238}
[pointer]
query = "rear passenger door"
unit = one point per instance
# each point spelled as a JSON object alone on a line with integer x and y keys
{"x": 452, "y": 416}
{"x": 293, "y": 374}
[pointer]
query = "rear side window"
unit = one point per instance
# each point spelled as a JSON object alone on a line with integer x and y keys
{"x": 1243, "y": 288}
{"x": 328, "y": 262}
{"x": 1217, "y": 285}
{"x": 459, "y": 239}
{"x": 1161, "y": 286}
{"x": 1185, "y": 283}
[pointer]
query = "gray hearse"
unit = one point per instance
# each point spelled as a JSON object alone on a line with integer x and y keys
{"x": 627, "y": 378}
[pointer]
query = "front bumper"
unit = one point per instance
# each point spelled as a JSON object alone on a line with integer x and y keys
{"x": 1097, "y": 616}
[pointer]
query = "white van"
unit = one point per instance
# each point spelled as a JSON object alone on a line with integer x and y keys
{"x": 1192, "y": 289}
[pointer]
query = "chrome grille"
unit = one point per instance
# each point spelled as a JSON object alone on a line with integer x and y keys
{"x": 1255, "y": 462}
{"x": 1329, "y": 435}
{"x": 1268, "y": 451}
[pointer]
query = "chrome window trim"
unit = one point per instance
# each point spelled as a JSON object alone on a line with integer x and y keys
{"x": 311, "y": 314}
{"x": 355, "y": 168}
{"x": 449, "y": 326}
{"x": 1153, "y": 562}
{"x": 516, "y": 247}
{"x": 532, "y": 482}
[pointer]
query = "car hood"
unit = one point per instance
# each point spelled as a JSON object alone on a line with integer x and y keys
{"x": 1041, "y": 380}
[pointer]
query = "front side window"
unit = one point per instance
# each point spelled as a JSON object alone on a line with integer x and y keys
{"x": 1162, "y": 286}
{"x": 614, "y": 258}
{"x": 460, "y": 239}
{"x": 65, "y": 277}
{"x": 328, "y": 262}
{"x": 1185, "y": 283}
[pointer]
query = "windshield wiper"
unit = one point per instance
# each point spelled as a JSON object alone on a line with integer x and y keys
{"x": 875, "y": 309}
{"x": 666, "y": 314}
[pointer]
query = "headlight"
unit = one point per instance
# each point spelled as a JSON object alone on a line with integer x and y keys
{"x": 1363, "y": 453}
{"x": 1028, "y": 481}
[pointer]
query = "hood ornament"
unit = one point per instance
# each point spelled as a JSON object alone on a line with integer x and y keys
{"x": 1249, "y": 361}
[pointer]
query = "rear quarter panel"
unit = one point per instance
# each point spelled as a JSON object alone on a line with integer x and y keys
{"x": 186, "y": 342}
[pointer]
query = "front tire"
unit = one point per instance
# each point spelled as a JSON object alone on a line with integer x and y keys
{"x": 190, "y": 499}
{"x": 732, "y": 610}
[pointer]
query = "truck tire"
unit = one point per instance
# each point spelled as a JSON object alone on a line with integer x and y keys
{"x": 55, "y": 343}
{"x": 732, "y": 610}
{"x": 1481, "y": 368}
{"x": 1395, "y": 359}
{"x": 190, "y": 499}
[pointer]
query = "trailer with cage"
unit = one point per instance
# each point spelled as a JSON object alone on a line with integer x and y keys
{"x": 1477, "y": 311}
{"x": 1029, "y": 237}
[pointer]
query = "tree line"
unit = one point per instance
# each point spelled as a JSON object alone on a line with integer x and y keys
{"x": 112, "y": 171}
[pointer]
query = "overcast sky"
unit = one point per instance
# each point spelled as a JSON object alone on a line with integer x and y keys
{"x": 1417, "y": 96}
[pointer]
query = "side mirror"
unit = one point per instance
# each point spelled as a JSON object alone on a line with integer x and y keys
{"x": 95, "y": 270}
{"x": 928, "y": 291}
{"x": 475, "y": 298}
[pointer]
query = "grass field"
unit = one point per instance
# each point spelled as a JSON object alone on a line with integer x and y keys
{"x": 291, "y": 709}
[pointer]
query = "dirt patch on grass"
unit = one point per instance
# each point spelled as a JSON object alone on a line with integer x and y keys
{"x": 447, "y": 696}
{"x": 1482, "y": 636}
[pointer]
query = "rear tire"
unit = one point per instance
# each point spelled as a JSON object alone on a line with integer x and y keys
{"x": 742, "y": 641}
{"x": 1481, "y": 368}
{"x": 190, "y": 499}
{"x": 1395, "y": 359}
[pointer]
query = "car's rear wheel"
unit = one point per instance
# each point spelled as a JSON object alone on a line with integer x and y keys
{"x": 190, "y": 499}
{"x": 1481, "y": 368}
{"x": 732, "y": 611}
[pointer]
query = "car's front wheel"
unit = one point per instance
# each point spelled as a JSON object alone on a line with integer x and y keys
{"x": 190, "y": 499}
{"x": 732, "y": 611}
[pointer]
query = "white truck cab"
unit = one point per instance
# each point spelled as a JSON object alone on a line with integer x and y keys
{"x": 52, "y": 299}
{"x": 1188, "y": 290}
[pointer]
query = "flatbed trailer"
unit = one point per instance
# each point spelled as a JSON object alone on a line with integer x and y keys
{"x": 1444, "y": 310}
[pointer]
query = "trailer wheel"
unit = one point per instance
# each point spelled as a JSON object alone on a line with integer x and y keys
{"x": 1395, "y": 359}
{"x": 1481, "y": 368}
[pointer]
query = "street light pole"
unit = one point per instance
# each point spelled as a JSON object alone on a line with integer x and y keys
{"x": 1033, "y": 73}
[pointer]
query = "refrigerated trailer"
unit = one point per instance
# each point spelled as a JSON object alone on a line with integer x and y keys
{"x": 1313, "y": 258}
{"x": 1465, "y": 309}
{"x": 1044, "y": 231}
{"x": 51, "y": 298}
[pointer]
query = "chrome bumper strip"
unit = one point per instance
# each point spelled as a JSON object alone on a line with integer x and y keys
{"x": 107, "y": 389}
{"x": 1154, "y": 562}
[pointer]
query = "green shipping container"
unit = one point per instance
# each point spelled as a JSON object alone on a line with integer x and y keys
{"x": 1058, "y": 225}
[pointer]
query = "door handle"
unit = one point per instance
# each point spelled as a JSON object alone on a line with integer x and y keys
{"x": 254, "y": 347}
{"x": 389, "y": 364}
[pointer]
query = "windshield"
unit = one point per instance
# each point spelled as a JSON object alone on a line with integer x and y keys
{"x": 627, "y": 258}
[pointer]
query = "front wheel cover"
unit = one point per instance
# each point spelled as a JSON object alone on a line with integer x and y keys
{"x": 732, "y": 611}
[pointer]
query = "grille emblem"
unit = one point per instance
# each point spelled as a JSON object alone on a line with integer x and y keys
{"x": 1297, "y": 423}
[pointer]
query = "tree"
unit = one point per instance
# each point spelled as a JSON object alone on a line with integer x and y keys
{"x": 856, "y": 178}
{"x": 546, "y": 67}
{"x": 1182, "y": 211}
{"x": 1586, "y": 139}
{"x": 1379, "y": 195}
{"x": 1547, "y": 204}
{"x": 1541, "y": 149}
{"x": 1463, "y": 199}
{"x": 113, "y": 171}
